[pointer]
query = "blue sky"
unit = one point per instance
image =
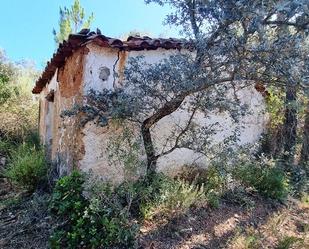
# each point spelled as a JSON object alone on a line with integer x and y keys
{"x": 26, "y": 25}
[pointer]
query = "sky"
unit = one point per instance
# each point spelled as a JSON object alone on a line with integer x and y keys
{"x": 27, "y": 25}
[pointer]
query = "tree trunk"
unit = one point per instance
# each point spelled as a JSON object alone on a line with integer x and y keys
{"x": 166, "y": 110}
{"x": 290, "y": 123}
{"x": 304, "y": 156}
{"x": 150, "y": 151}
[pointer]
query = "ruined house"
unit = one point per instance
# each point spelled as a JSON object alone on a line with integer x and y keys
{"x": 89, "y": 60}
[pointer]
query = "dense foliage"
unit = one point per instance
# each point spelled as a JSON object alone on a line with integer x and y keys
{"x": 269, "y": 181}
{"x": 18, "y": 107}
{"x": 27, "y": 166}
{"x": 164, "y": 196}
{"x": 98, "y": 221}
{"x": 19, "y": 143}
{"x": 93, "y": 214}
{"x": 234, "y": 44}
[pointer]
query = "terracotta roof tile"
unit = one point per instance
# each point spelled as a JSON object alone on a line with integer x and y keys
{"x": 84, "y": 37}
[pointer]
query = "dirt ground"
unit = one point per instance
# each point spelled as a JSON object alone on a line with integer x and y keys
{"x": 265, "y": 224}
{"x": 24, "y": 220}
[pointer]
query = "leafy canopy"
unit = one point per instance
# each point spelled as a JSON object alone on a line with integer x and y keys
{"x": 233, "y": 44}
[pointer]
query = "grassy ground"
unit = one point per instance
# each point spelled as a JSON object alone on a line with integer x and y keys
{"x": 247, "y": 222}
{"x": 264, "y": 224}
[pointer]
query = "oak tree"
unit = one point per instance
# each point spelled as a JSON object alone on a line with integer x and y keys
{"x": 232, "y": 43}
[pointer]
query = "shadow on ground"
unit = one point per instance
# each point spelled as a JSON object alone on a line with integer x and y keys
{"x": 204, "y": 228}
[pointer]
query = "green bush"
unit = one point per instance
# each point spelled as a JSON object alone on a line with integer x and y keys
{"x": 69, "y": 187}
{"x": 211, "y": 179}
{"x": 27, "y": 166}
{"x": 268, "y": 180}
{"x": 214, "y": 180}
{"x": 166, "y": 195}
{"x": 98, "y": 221}
{"x": 18, "y": 108}
{"x": 5, "y": 147}
{"x": 213, "y": 199}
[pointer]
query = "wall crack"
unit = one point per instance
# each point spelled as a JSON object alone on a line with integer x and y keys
{"x": 115, "y": 74}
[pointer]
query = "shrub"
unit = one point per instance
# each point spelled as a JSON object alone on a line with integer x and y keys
{"x": 27, "y": 166}
{"x": 268, "y": 180}
{"x": 167, "y": 195}
{"x": 99, "y": 221}
{"x": 211, "y": 179}
{"x": 5, "y": 147}
{"x": 213, "y": 199}
{"x": 215, "y": 180}
{"x": 18, "y": 108}
{"x": 69, "y": 187}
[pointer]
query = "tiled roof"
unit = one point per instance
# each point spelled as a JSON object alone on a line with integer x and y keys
{"x": 85, "y": 36}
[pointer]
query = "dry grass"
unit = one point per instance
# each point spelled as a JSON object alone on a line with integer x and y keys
{"x": 267, "y": 225}
{"x": 23, "y": 219}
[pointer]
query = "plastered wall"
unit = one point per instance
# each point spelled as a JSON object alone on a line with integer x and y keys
{"x": 62, "y": 135}
{"x": 87, "y": 148}
{"x": 97, "y": 139}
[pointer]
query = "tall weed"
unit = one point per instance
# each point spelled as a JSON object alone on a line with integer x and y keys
{"x": 27, "y": 166}
{"x": 166, "y": 196}
{"x": 267, "y": 179}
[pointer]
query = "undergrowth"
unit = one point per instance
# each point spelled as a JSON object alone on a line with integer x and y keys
{"x": 27, "y": 166}
{"x": 93, "y": 222}
{"x": 268, "y": 179}
{"x": 94, "y": 214}
{"x": 173, "y": 195}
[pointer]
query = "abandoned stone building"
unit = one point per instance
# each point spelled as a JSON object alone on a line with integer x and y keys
{"x": 90, "y": 60}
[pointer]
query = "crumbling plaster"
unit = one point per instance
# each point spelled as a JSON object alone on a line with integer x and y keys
{"x": 96, "y": 139}
{"x": 95, "y": 67}
{"x": 66, "y": 147}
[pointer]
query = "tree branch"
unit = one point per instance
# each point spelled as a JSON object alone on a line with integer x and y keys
{"x": 287, "y": 23}
{"x": 183, "y": 131}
